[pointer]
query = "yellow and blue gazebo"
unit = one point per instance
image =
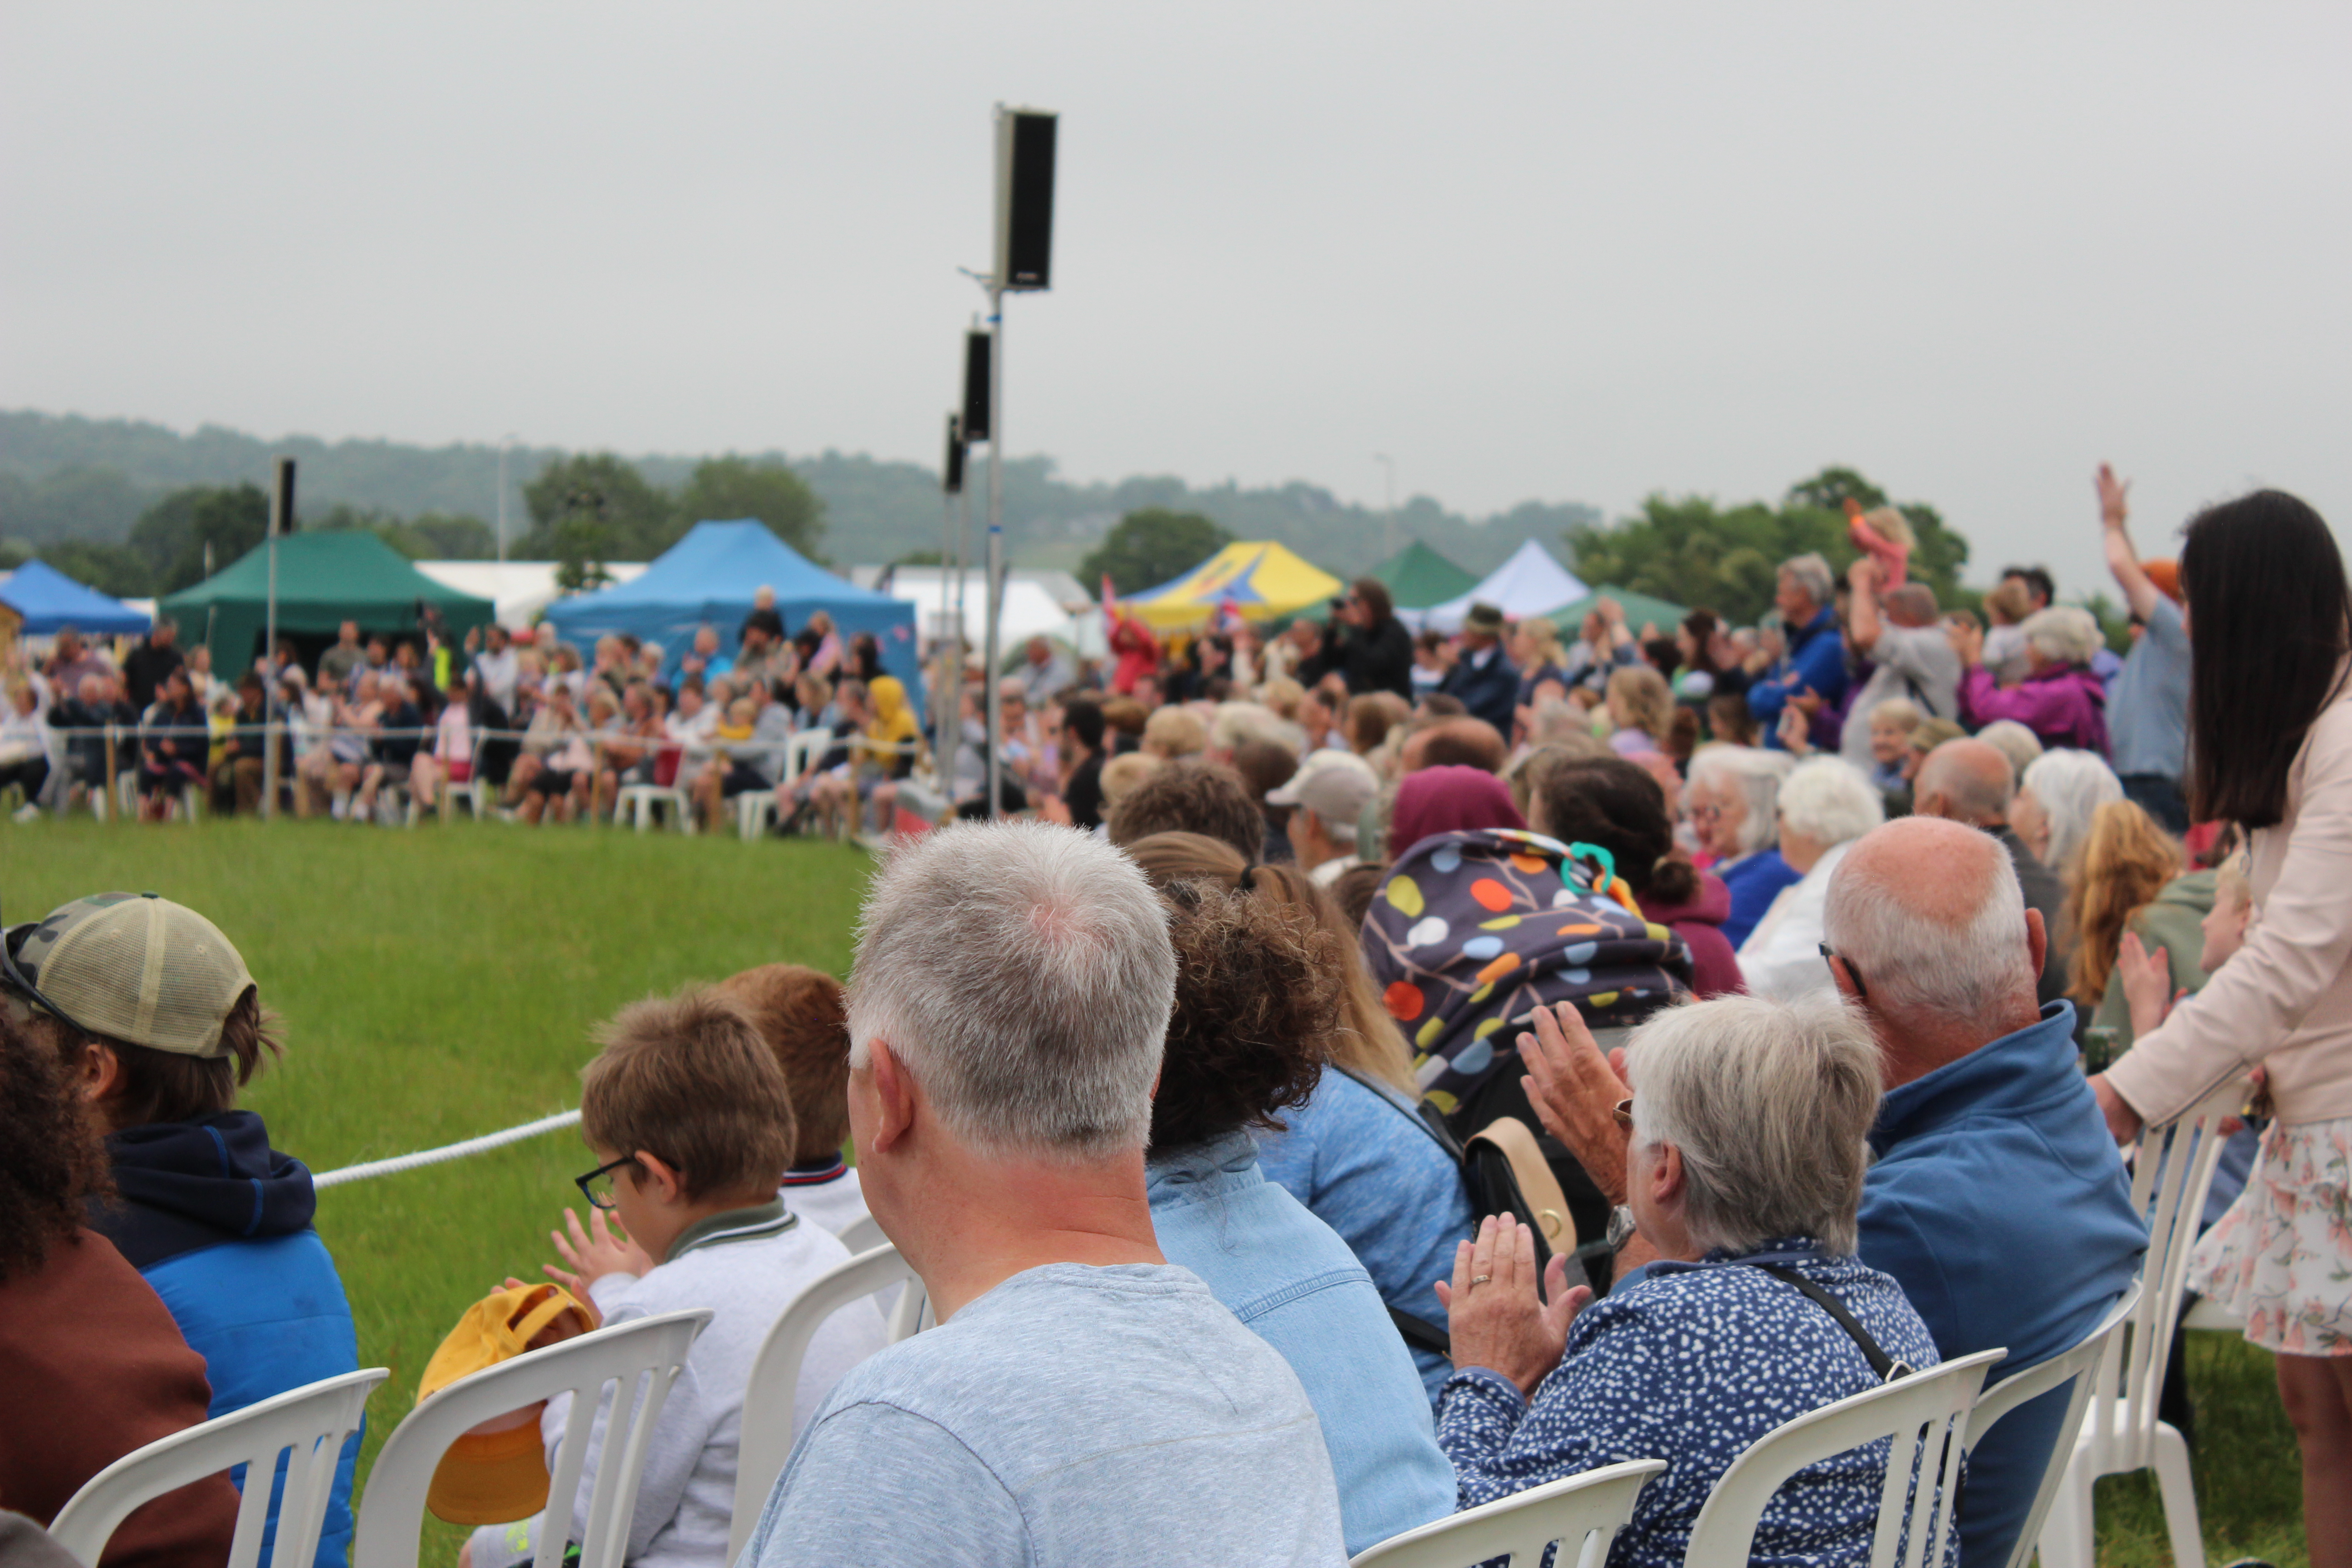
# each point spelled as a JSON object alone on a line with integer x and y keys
{"x": 1262, "y": 581}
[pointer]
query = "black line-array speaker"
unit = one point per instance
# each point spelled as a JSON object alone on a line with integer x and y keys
{"x": 283, "y": 522}
{"x": 975, "y": 386}
{"x": 951, "y": 470}
{"x": 1025, "y": 198}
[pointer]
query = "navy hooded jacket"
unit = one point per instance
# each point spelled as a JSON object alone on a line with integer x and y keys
{"x": 1999, "y": 1204}
{"x": 219, "y": 1224}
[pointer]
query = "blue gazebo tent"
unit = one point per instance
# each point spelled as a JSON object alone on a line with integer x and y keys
{"x": 48, "y": 601}
{"x": 711, "y": 575}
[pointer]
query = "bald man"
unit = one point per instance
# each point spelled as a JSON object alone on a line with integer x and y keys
{"x": 1996, "y": 1198}
{"x": 1971, "y": 782}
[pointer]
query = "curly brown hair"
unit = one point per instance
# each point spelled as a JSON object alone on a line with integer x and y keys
{"x": 1257, "y": 1001}
{"x": 51, "y": 1156}
{"x": 1192, "y": 796}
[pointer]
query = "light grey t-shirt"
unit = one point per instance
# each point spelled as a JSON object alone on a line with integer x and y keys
{"x": 1916, "y": 662}
{"x": 1072, "y": 1415}
{"x": 2148, "y": 702}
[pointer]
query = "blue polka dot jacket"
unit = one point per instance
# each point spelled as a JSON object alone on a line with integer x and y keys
{"x": 1691, "y": 1363}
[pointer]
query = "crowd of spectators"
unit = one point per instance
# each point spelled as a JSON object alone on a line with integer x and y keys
{"x": 1824, "y": 962}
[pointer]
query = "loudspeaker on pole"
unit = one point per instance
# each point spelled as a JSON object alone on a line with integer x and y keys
{"x": 976, "y": 347}
{"x": 951, "y": 470}
{"x": 282, "y": 498}
{"x": 1025, "y": 198}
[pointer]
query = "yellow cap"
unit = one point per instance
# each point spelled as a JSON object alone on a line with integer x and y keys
{"x": 493, "y": 1476}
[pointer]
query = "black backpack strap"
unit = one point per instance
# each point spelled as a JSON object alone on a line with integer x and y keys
{"x": 1887, "y": 1368}
{"x": 1421, "y": 1333}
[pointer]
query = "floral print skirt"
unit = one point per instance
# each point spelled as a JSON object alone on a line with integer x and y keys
{"x": 2281, "y": 1257}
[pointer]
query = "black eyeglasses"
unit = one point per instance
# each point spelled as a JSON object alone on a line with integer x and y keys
{"x": 596, "y": 1187}
{"x": 16, "y": 980}
{"x": 1861, "y": 992}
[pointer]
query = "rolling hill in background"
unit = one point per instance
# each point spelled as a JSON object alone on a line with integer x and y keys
{"x": 67, "y": 477}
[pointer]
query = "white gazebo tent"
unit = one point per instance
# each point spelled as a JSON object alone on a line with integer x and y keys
{"x": 1034, "y": 606}
{"x": 1529, "y": 583}
{"x": 520, "y": 589}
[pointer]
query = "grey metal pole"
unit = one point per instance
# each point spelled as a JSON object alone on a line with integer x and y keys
{"x": 949, "y": 638}
{"x": 269, "y": 653}
{"x": 995, "y": 540}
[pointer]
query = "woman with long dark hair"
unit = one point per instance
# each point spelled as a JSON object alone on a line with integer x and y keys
{"x": 2270, "y": 748}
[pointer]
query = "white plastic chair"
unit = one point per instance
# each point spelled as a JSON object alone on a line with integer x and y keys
{"x": 312, "y": 1422}
{"x": 1583, "y": 1513}
{"x": 863, "y": 1234}
{"x": 754, "y": 809}
{"x": 2072, "y": 1367}
{"x": 636, "y": 802}
{"x": 804, "y": 750}
{"x": 641, "y": 1359}
{"x": 1926, "y": 1415}
{"x": 2170, "y": 1175}
{"x": 766, "y": 1440}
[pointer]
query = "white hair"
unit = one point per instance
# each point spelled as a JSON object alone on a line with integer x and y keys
{"x": 1239, "y": 721}
{"x": 2064, "y": 634}
{"x": 1023, "y": 973}
{"x": 1812, "y": 573}
{"x": 1909, "y": 960}
{"x": 1830, "y": 801}
{"x": 1756, "y": 774}
{"x": 2013, "y": 740}
{"x": 1771, "y": 1105}
{"x": 2071, "y": 786}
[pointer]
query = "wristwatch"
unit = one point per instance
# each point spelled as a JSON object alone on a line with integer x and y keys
{"x": 1621, "y": 1228}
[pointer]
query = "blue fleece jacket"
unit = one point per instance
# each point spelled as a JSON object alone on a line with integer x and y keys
{"x": 1815, "y": 659}
{"x": 1999, "y": 1204}
{"x": 219, "y": 1224}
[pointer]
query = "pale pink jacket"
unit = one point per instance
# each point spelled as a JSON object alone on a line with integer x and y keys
{"x": 2285, "y": 1002}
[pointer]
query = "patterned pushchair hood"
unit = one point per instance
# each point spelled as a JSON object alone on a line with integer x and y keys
{"x": 1473, "y": 930}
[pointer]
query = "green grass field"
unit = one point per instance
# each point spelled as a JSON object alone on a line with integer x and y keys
{"x": 441, "y": 982}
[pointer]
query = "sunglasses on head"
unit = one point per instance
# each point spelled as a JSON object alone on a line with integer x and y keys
{"x": 14, "y": 979}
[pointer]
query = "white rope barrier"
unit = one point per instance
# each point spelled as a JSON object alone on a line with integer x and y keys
{"x": 423, "y": 1157}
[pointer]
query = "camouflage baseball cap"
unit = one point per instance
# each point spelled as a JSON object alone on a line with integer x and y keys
{"x": 136, "y": 968}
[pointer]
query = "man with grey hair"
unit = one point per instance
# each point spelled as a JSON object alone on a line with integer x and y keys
{"x": 1995, "y": 1198}
{"x": 1082, "y": 1400}
{"x": 1971, "y": 782}
{"x": 1811, "y": 671}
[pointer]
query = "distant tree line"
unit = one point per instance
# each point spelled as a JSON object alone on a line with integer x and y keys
{"x": 589, "y": 511}
{"x": 66, "y": 476}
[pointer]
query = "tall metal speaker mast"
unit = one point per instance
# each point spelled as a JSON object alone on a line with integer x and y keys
{"x": 281, "y": 521}
{"x": 1025, "y": 244}
{"x": 950, "y": 634}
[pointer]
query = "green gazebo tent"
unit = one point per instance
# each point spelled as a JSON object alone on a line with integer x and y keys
{"x": 323, "y": 580}
{"x": 1639, "y": 608}
{"x": 1417, "y": 577}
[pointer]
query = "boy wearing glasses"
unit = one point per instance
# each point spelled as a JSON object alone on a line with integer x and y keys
{"x": 692, "y": 1126}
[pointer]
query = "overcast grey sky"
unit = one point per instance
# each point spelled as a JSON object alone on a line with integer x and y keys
{"x": 1528, "y": 251}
